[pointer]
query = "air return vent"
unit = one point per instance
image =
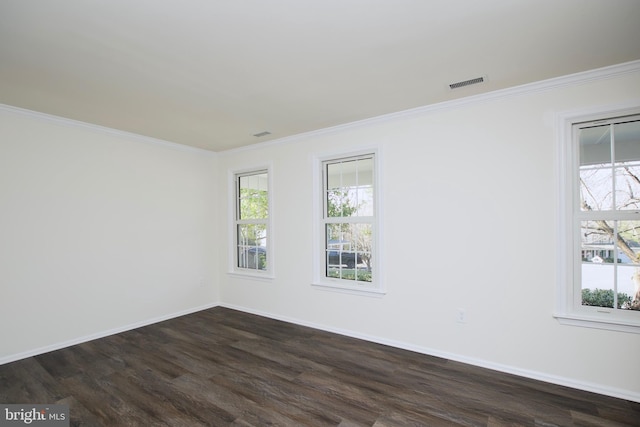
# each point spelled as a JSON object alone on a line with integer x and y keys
{"x": 466, "y": 83}
{"x": 259, "y": 134}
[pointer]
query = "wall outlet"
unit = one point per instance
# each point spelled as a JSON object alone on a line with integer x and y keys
{"x": 461, "y": 316}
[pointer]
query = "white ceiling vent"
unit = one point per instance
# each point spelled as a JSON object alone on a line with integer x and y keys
{"x": 469, "y": 82}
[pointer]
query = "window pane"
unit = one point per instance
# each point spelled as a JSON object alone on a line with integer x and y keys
{"x": 595, "y": 145}
{"x": 252, "y": 251}
{"x": 628, "y": 242}
{"x": 629, "y": 287}
{"x": 365, "y": 172}
{"x": 348, "y": 251}
{"x": 610, "y": 268}
{"x": 627, "y": 141}
{"x": 349, "y": 189}
{"x": 597, "y": 284}
{"x": 334, "y": 175}
{"x": 597, "y": 241}
{"x": 252, "y": 234}
{"x": 599, "y": 287}
{"x": 252, "y": 257}
{"x": 364, "y": 246}
{"x": 340, "y": 179}
{"x": 627, "y": 158}
{"x": 338, "y": 237}
{"x": 596, "y": 189}
{"x": 598, "y": 270}
{"x": 338, "y": 203}
{"x": 596, "y": 181}
{"x": 364, "y": 197}
{"x": 253, "y": 195}
{"x": 350, "y": 201}
{"x": 628, "y": 187}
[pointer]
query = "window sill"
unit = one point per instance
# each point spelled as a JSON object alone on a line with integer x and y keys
{"x": 353, "y": 290}
{"x": 266, "y": 277}
{"x": 613, "y": 324}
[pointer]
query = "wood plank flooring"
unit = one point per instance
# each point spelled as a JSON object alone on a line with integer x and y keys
{"x": 221, "y": 367}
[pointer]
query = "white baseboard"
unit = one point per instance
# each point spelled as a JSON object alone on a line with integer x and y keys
{"x": 86, "y": 338}
{"x": 535, "y": 375}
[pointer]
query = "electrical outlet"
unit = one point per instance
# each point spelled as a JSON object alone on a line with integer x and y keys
{"x": 462, "y": 316}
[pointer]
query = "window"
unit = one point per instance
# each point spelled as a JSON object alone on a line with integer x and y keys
{"x": 347, "y": 256}
{"x": 251, "y": 225}
{"x": 602, "y": 203}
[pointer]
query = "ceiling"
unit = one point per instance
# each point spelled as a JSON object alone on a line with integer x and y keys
{"x": 212, "y": 73}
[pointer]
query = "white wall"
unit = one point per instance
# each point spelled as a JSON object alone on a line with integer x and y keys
{"x": 99, "y": 231}
{"x": 469, "y": 221}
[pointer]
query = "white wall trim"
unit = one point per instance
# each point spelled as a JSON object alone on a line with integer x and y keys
{"x": 526, "y": 373}
{"x": 543, "y": 85}
{"x": 103, "y": 130}
{"x": 91, "y": 337}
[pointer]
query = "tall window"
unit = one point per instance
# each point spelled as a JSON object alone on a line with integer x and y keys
{"x": 348, "y": 222}
{"x": 252, "y": 221}
{"x": 605, "y": 216}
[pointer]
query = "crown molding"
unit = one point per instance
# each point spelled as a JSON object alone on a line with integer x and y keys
{"x": 103, "y": 130}
{"x": 540, "y": 86}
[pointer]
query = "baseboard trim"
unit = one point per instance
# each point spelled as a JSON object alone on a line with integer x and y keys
{"x": 508, "y": 369}
{"x": 91, "y": 337}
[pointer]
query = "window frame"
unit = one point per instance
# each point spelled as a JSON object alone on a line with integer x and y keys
{"x": 235, "y": 221}
{"x": 569, "y": 309}
{"x": 319, "y": 279}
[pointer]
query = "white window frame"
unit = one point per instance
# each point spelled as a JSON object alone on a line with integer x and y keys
{"x": 319, "y": 280}
{"x": 234, "y": 221}
{"x": 569, "y": 309}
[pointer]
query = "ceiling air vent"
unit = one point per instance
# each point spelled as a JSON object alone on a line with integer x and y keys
{"x": 259, "y": 134}
{"x": 466, "y": 83}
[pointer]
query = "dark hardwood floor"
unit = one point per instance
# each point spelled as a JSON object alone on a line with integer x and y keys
{"x": 222, "y": 367}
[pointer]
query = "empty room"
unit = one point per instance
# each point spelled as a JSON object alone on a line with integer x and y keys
{"x": 320, "y": 213}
